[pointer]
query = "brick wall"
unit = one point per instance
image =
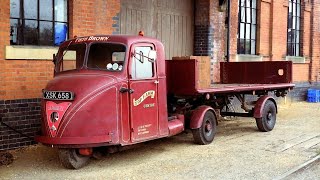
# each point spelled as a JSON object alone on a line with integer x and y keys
{"x": 23, "y": 116}
{"x": 22, "y": 80}
{"x": 91, "y": 17}
{"x": 210, "y": 34}
{"x": 4, "y": 40}
{"x": 233, "y": 29}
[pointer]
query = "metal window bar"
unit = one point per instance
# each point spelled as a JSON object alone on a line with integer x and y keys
{"x": 248, "y": 26}
{"x": 294, "y": 46}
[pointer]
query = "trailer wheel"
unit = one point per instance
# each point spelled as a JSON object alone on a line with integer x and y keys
{"x": 205, "y": 134}
{"x": 71, "y": 159}
{"x": 268, "y": 120}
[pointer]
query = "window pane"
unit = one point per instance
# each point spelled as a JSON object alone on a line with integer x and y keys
{"x": 290, "y": 22}
{"x": 290, "y": 35}
{"x": 290, "y": 8}
{"x": 297, "y": 36}
{"x": 241, "y": 47}
{"x": 30, "y": 33}
{"x": 248, "y": 46}
{"x": 253, "y": 47}
{"x": 46, "y": 10}
{"x": 71, "y": 58}
{"x": 15, "y": 8}
{"x": 60, "y": 10}
{"x": 253, "y": 32}
{"x": 254, "y": 18}
{"x": 60, "y": 33}
{"x": 242, "y": 3}
{"x": 45, "y": 33}
{"x": 298, "y": 10}
{"x": 248, "y": 3}
{"x": 242, "y": 30}
{"x": 298, "y": 23}
{"x": 248, "y": 14}
{"x": 142, "y": 68}
{"x": 101, "y": 56}
{"x": 30, "y": 9}
{"x": 14, "y": 31}
{"x": 243, "y": 14}
{"x": 254, "y": 4}
{"x": 247, "y": 31}
{"x": 289, "y": 49}
{"x": 294, "y": 23}
{"x": 294, "y": 10}
{"x": 297, "y": 50}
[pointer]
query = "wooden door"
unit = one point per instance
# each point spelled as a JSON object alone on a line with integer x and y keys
{"x": 171, "y": 21}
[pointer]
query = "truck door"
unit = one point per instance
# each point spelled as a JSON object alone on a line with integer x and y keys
{"x": 143, "y": 83}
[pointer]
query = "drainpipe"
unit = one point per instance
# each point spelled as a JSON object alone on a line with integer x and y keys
{"x": 311, "y": 42}
{"x": 228, "y": 33}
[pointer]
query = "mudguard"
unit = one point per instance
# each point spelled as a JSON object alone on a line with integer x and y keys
{"x": 197, "y": 116}
{"x": 258, "y": 108}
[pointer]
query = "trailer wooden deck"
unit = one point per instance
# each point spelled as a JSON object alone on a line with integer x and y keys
{"x": 238, "y": 88}
{"x": 236, "y": 77}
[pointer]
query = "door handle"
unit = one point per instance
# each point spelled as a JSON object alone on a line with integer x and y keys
{"x": 124, "y": 90}
{"x": 156, "y": 82}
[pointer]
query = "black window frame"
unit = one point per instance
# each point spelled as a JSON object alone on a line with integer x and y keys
{"x": 21, "y": 24}
{"x": 242, "y": 41}
{"x": 294, "y": 28}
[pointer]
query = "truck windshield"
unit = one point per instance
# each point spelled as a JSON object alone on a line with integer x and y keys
{"x": 70, "y": 57}
{"x": 106, "y": 56}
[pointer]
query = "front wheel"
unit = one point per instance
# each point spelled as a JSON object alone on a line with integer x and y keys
{"x": 269, "y": 115}
{"x": 206, "y": 132}
{"x": 71, "y": 159}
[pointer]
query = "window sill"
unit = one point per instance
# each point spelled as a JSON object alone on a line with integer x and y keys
{"x": 247, "y": 58}
{"x": 30, "y": 52}
{"x": 297, "y": 59}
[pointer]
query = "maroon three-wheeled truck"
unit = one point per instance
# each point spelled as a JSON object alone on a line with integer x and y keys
{"x": 115, "y": 91}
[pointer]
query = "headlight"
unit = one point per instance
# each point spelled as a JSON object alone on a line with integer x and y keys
{"x": 54, "y": 117}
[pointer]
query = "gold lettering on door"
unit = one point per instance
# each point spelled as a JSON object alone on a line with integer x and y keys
{"x": 144, "y": 96}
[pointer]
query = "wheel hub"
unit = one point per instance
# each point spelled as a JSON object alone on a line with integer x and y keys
{"x": 269, "y": 116}
{"x": 208, "y": 127}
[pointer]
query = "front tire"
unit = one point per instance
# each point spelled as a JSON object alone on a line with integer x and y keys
{"x": 71, "y": 159}
{"x": 206, "y": 132}
{"x": 269, "y": 115}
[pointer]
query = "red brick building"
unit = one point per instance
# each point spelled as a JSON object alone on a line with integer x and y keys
{"x": 259, "y": 30}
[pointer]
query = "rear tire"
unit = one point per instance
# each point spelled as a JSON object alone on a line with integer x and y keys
{"x": 269, "y": 115}
{"x": 71, "y": 159}
{"x": 205, "y": 134}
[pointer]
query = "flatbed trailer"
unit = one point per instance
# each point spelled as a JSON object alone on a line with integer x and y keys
{"x": 113, "y": 91}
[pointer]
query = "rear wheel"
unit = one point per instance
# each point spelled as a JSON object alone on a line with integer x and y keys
{"x": 206, "y": 132}
{"x": 71, "y": 159}
{"x": 269, "y": 115}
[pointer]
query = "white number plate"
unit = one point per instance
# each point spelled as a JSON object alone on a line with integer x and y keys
{"x": 58, "y": 95}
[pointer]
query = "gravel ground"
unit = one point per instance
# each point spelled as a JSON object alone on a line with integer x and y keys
{"x": 310, "y": 172}
{"x": 239, "y": 151}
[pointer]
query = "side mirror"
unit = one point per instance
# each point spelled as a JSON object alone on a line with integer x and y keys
{"x": 54, "y": 59}
{"x": 152, "y": 55}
